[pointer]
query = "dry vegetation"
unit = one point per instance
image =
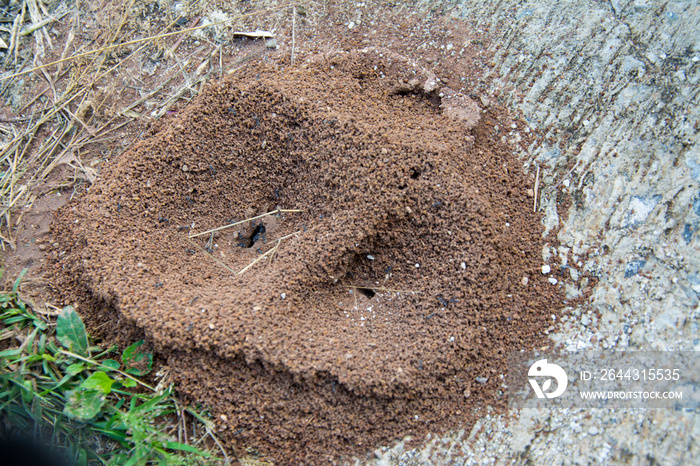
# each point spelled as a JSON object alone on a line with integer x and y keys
{"x": 81, "y": 81}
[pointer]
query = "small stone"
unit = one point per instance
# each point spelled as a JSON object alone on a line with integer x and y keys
{"x": 574, "y": 274}
{"x": 224, "y": 418}
{"x": 370, "y": 257}
{"x": 283, "y": 295}
{"x": 417, "y": 265}
{"x": 271, "y": 44}
{"x": 384, "y": 151}
{"x": 351, "y": 24}
{"x": 55, "y": 245}
{"x": 349, "y": 356}
{"x": 482, "y": 380}
{"x": 525, "y": 281}
{"x": 593, "y": 430}
{"x": 530, "y": 192}
{"x": 185, "y": 168}
{"x": 42, "y": 247}
{"x": 256, "y": 308}
{"x": 552, "y": 280}
{"x": 463, "y": 265}
{"x": 211, "y": 326}
{"x": 546, "y": 269}
{"x": 467, "y": 393}
{"x": 585, "y": 320}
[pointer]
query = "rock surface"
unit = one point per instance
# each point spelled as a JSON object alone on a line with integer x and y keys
{"x": 614, "y": 85}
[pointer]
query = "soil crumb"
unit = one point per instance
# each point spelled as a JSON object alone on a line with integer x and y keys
{"x": 389, "y": 307}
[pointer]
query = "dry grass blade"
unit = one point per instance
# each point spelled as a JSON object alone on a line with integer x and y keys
{"x": 35, "y": 16}
{"x": 208, "y": 254}
{"x": 537, "y": 186}
{"x": 12, "y": 154}
{"x": 274, "y": 212}
{"x": 272, "y": 250}
{"x": 12, "y": 50}
{"x": 294, "y": 27}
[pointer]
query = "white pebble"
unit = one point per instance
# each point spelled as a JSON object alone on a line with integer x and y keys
{"x": 464, "y": 266}
{"x": 370, "y": 257}
{"x": 552, "y": 280}
{"x": 417, "y": 265}
{"x": 283, "y": 295}
{"x": 546, "y": 269}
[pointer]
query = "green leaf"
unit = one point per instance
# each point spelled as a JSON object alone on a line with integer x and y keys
{"x": 75, "y": 369}
{"x": 48, "y": 358}
{"x": 82, "y": 458}
{"x": 134, "y": 357}
{"x": 98, "y": 381}
{"x": 28, "y": 391}
{"x": 184, "y": 447}
{"x": 70, "y": 331}
{"x": 110, "y": 365}
{"x": 128, "y": 383}
{"x": 10, "y": 353}
{"x": 83, "y": 405}
{"x": 21, "y": 275}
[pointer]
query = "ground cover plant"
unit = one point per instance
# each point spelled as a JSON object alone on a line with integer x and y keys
{"x": 90, "y": 404}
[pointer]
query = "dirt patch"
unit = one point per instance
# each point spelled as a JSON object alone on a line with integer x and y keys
{"x": 390, "y": 306}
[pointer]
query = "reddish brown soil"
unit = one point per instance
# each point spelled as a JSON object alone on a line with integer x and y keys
{"x": 399, "y": 198}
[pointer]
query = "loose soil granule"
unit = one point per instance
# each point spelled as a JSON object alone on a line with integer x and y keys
{"x": 412, "y": 271}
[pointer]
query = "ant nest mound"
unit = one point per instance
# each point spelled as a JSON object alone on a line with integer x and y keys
{"x": 386, "y": 288}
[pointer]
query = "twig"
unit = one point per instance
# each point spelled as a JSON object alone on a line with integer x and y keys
{"x": 537, "y": 185}
{"x": 277, "y": 211}
{"x": 269, "y": 251}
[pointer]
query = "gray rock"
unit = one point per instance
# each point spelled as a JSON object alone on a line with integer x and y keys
{"x": 585, "y": 320}
{"x": 633, "y": 267}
